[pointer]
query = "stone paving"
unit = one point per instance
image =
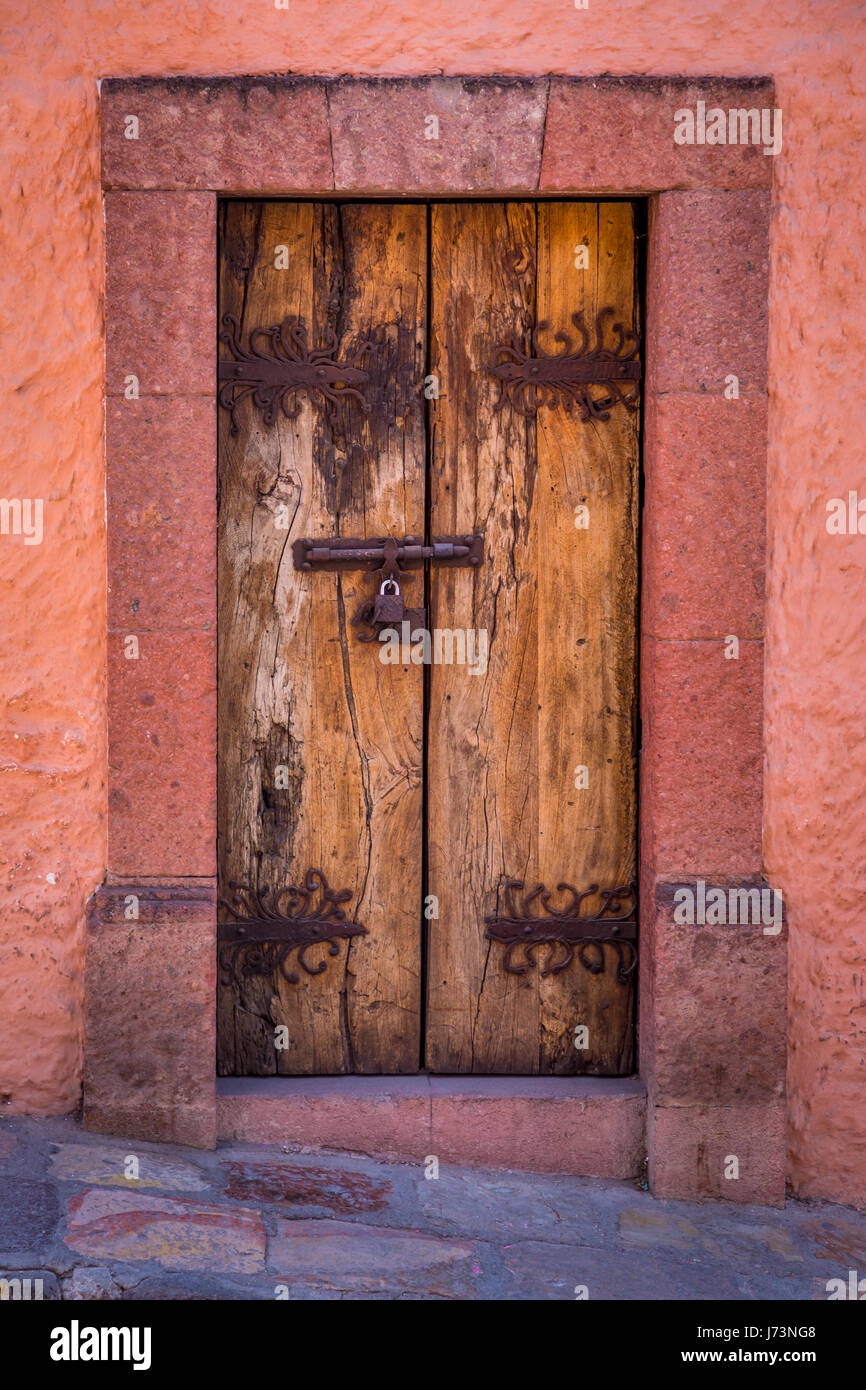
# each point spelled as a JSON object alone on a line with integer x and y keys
{"x": 99, "y": 1218}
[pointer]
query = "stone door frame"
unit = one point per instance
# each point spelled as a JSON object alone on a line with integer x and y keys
{"x": 712, "y": 998}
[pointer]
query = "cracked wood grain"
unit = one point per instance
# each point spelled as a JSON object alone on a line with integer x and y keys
{"x": 559, "y": 605}
{"x": 295, "y": 688}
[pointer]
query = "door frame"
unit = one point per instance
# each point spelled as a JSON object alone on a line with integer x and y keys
{"x": 711, "y": 998}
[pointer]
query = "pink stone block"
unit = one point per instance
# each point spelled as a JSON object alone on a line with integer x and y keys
{"x": 707, "y": 291}
{"x": 150, "y": 1021}
{"x": 133, "y": 1226}
{"x": 589, "y": 1129}
{"x": 616, "y": 134}
{"x": 717, "y": 996}
{"x": 162, "y": 754}
{"x": 646, "y": 975}
{"x": 341, "y": 1191}
{"x": 160, "y": 288}
{"x": 701, "y": 761}
{"x": 387, "y": 1116}
{"x": 161, "y": 490}
{"x": 240, "y": 134}
{"x": 691, "y": 1147}
{"x": 341, "y": 1254}
{"x": 705, "y": 461}
{"x": 489, "y": 134}
{"x": 146, "y": 1117}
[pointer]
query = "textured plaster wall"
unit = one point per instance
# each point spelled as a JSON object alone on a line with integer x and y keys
{"x": 52, "y": 801}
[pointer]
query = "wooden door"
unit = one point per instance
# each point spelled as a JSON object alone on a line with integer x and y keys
{"x": 539, "y": 752}
{"x": 425, "y": 792}
{"x": 320, "y": 745}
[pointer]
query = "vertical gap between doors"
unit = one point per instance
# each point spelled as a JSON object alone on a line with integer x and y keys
{"x": 641, "y": 235}
{"x": 426, "y": 668}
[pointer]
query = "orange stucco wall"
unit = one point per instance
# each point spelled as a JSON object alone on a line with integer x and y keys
{"x": 52, "y": 801}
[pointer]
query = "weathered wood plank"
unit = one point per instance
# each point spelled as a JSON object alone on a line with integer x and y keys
{"x": 483, "y": 732}
{"x": 587, "y": 617}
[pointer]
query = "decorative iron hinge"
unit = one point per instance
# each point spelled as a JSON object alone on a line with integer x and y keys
{"x": 521, "y": 927}
{"x": 530, "y": 380}
{"x": 277, "y": 923}
{"x": 274, "y": 379}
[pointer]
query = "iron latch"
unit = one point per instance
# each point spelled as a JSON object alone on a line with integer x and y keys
{"x": 386, "y": 555}
{"x": 387, "y": 560}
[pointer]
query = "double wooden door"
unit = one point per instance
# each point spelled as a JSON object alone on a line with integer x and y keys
{"x": 407, "y": 845}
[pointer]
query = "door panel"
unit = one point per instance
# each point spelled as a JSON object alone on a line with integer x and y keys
{"x": 296, "y": 690}
{"x": 558, "y": 603}
{"x": 483, "y": 729}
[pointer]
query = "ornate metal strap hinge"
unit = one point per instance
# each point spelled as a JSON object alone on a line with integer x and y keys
{"x": 567, "y": 929}
{"x": 530, "y": 380}
{"x": 276, "y": 375}
{"x": 277, "y": 923}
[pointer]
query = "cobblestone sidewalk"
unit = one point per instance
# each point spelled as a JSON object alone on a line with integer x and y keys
{"x": 111, "y": 1219}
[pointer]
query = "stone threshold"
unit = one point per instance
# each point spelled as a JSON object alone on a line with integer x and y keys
{"x": 591, "y": 1127}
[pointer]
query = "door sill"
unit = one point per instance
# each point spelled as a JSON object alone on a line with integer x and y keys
{"x": 587, "y": 1126}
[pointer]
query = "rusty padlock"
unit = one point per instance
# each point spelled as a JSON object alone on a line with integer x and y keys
{"x": 389, "y": 607}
